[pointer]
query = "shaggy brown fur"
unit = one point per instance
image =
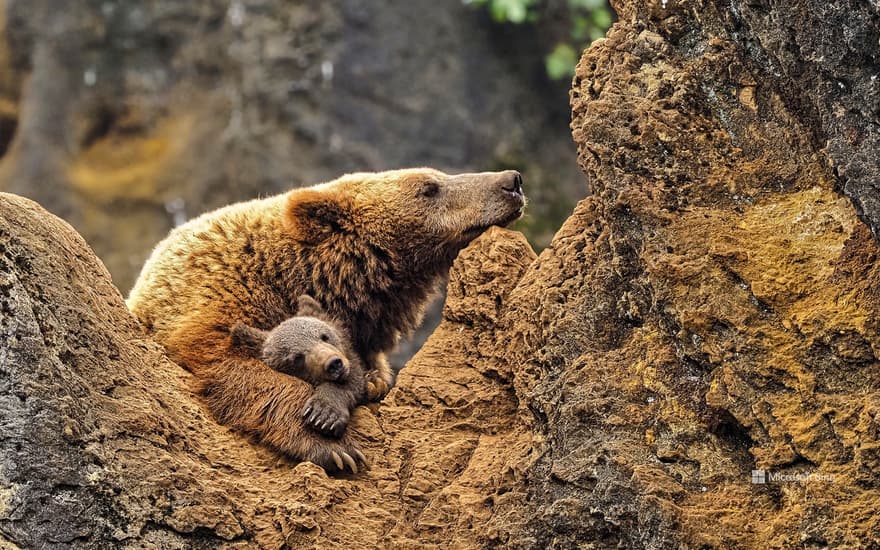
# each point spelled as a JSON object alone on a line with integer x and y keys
{"x": 317, "y": 349}
{"x": 370, "y": 247}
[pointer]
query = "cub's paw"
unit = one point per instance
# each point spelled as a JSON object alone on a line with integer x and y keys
{"x": 325, "y": 416}
{"x": 377, "y": 386}
{"x": 337, "y": 456}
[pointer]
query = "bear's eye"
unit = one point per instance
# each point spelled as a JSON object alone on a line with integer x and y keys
{"x": 429, "y": 190}
{"x": 325, "y": 337}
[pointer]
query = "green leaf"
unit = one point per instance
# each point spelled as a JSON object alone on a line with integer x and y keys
{"x": 516, "y": 13}
{"x": 498, "y": 11}
{"x": 561, "y": 61}
{"x": 516, "y": 10}
{"x": 511, "y": 11}
{"x": 580, "y": 28}
{"x": 602, "y": 19}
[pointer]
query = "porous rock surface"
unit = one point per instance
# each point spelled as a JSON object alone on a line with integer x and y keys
{"x": 711, "y": 310}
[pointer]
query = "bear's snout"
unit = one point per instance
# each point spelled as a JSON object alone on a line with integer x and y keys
{"x": 511, "y": 183}
{"x": 336, "y": 369}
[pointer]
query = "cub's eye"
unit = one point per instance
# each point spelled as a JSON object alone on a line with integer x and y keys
{"x": 298, "y": 360}
{"x": 429, "y": 190}
{"x": 325, "y": 337}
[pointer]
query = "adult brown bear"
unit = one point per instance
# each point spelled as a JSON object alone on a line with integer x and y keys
{"x": 369, "y": 247}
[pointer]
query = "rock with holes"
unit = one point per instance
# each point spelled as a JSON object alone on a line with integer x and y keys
{"x": 699, "y": 345}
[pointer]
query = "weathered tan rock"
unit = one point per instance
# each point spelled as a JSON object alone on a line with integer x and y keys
{"x": 709, "y": 311}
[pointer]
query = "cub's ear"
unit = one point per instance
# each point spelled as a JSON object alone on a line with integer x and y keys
{"x": 313, "y": 216}
{"x": 306, "y": 306}
{"x": 248, "y": 337}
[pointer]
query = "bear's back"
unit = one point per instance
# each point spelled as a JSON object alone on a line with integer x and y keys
{"x": 205, "y": 261}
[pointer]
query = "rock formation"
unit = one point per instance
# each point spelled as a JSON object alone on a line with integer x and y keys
{"x": 705, "y": 321}
{"x": 712, "y": 309}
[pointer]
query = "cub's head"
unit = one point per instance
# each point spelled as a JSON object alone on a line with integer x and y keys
{"x": 414, "y": 214}
{"x": 305, "y": 346}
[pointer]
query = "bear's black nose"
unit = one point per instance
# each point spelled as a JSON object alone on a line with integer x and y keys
{"x": 334, "y": 367}
{"x": 517, "y": 183}
{"x": 514, "y": 185}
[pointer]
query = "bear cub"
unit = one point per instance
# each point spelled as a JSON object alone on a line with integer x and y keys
{"x": 316, "y": 349}
{"x": 304, "y": 347}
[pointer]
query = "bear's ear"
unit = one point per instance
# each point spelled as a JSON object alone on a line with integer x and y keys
{"x": 248, "y": 337}
{"x": 314, "y": 215}
{"x": 306, "y": 306}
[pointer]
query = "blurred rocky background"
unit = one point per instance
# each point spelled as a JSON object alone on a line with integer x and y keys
{"x": 128, "y": 117}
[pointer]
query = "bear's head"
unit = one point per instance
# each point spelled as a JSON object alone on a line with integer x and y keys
{"x": 305, "y": 346}
{"x": 411, "y": 214}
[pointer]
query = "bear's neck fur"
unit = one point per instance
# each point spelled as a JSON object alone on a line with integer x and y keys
{"x": 383, "y": 293}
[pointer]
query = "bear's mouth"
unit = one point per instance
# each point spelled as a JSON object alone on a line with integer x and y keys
{"x": 476, "y": 230}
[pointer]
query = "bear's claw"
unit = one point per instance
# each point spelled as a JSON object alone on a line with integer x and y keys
{"x": 376, "y": 387}
{"x": 337, "y": 460}
{"x": 343, "y": 459}
{"x": 362, "y": 458}
{"x": 350, "y": 462}
{"x": 322, "y": 416}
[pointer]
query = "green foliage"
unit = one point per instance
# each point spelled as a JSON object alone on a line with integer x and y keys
{"x": 508, "y": 11}
{"x": 589, "y": 19}
{"x": 561, "y": 61}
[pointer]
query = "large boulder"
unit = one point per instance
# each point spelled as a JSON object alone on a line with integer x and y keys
{"x": 699, "y": 344}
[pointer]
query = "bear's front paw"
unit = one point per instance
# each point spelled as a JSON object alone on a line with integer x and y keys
{"x": 337, "y": 456}
{"x": 377, "y": 386}
{"x": 325, "y": 416}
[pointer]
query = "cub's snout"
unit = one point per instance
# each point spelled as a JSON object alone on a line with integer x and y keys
{"x": 336, "y": 368}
